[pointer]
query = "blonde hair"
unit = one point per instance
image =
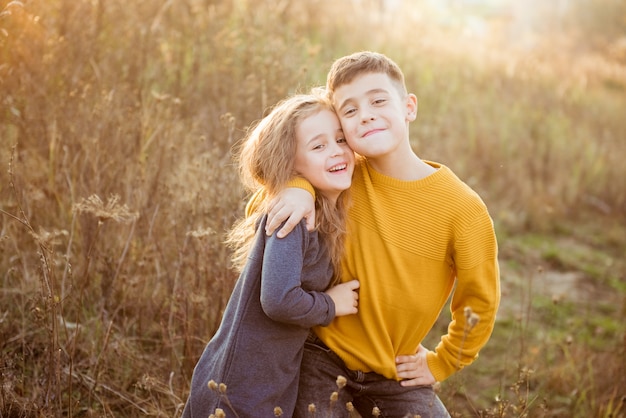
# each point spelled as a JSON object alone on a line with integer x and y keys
{"x": 345, "y": 69}
{"x": 266, "y": 164}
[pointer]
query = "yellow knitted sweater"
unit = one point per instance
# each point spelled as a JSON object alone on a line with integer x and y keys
{"x": 411, "y": 244}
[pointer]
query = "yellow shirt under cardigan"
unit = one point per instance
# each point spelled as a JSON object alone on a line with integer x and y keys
{"x": 407, "y": 243}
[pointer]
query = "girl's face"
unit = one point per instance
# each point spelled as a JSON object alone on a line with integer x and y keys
{"x": 323, "y": 156}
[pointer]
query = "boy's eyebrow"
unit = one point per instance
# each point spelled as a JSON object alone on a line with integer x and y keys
{"x": 367, "y": 93}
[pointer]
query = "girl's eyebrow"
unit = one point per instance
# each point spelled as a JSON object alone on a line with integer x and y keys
{"x": 321, "y": 136}
{"x": 312, "y": 139}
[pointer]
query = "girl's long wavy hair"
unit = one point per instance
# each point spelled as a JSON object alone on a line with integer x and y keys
{"x": 266, "y": 164}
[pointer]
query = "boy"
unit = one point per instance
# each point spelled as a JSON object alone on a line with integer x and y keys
{"x": 415, "y": 233}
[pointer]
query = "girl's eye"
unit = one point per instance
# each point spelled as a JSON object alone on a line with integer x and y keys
{"x": 380, "y": 101}
{"x": 341, "y": 140}
{"x": 318, "y": 146}
{"x": 348, "y": 112}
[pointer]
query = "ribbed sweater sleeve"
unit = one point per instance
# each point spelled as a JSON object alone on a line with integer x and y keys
{"x": 259, "y": 196}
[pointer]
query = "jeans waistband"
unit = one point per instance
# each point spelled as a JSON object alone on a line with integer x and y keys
{"x": 314, "y": 339}
{"x": 355, "y": 375}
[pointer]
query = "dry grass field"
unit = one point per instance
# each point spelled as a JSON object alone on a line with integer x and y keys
{"x": 117, "y": 122}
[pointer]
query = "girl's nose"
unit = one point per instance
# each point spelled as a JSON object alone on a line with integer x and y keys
{"x": 336, "y": 150}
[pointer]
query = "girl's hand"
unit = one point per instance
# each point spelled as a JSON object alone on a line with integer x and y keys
{"x": 346, "y": 297}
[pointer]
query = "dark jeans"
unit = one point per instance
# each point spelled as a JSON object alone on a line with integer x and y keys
{"x": 318, "y": 375}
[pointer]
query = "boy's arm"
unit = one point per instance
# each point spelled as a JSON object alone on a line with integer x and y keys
{"x": 291, "y": 205}
{"x": 477, "y": 288}
{"x": 467, "y": 333}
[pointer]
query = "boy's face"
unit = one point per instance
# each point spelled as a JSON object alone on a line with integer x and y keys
{"x": 374, "y": 115}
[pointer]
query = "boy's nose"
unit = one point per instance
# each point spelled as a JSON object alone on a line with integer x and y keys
{"x": 367, "y": 116}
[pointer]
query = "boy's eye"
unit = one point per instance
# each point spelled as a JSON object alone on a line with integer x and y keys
{"x": 380, "y": 101}
{"x": 349, "y": 111}
{"x": 341, "y": 140}
{"x": 318, "y": 146}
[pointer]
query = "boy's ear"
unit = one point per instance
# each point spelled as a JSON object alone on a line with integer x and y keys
{"x": 411, "y": 107}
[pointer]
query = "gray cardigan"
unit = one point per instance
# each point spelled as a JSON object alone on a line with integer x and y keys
{"x": 257, "y": 349}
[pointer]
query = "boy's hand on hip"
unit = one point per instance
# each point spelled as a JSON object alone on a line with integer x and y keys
{"x": 291, "y": 204}
{"x": 414, "y": 369}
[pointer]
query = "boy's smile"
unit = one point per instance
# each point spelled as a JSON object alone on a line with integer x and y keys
{"x": 372, "y": 132}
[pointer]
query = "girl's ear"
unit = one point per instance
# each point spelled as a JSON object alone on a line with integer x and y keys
{"x": 411, "y": 107}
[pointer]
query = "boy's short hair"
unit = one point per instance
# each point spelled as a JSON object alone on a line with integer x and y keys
{"x": 345, "y": 69}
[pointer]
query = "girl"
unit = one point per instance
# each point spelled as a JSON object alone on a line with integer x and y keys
{"x": 286, "y": 285}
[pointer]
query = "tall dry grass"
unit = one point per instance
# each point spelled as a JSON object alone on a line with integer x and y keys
{"x": 117, "y": 122}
